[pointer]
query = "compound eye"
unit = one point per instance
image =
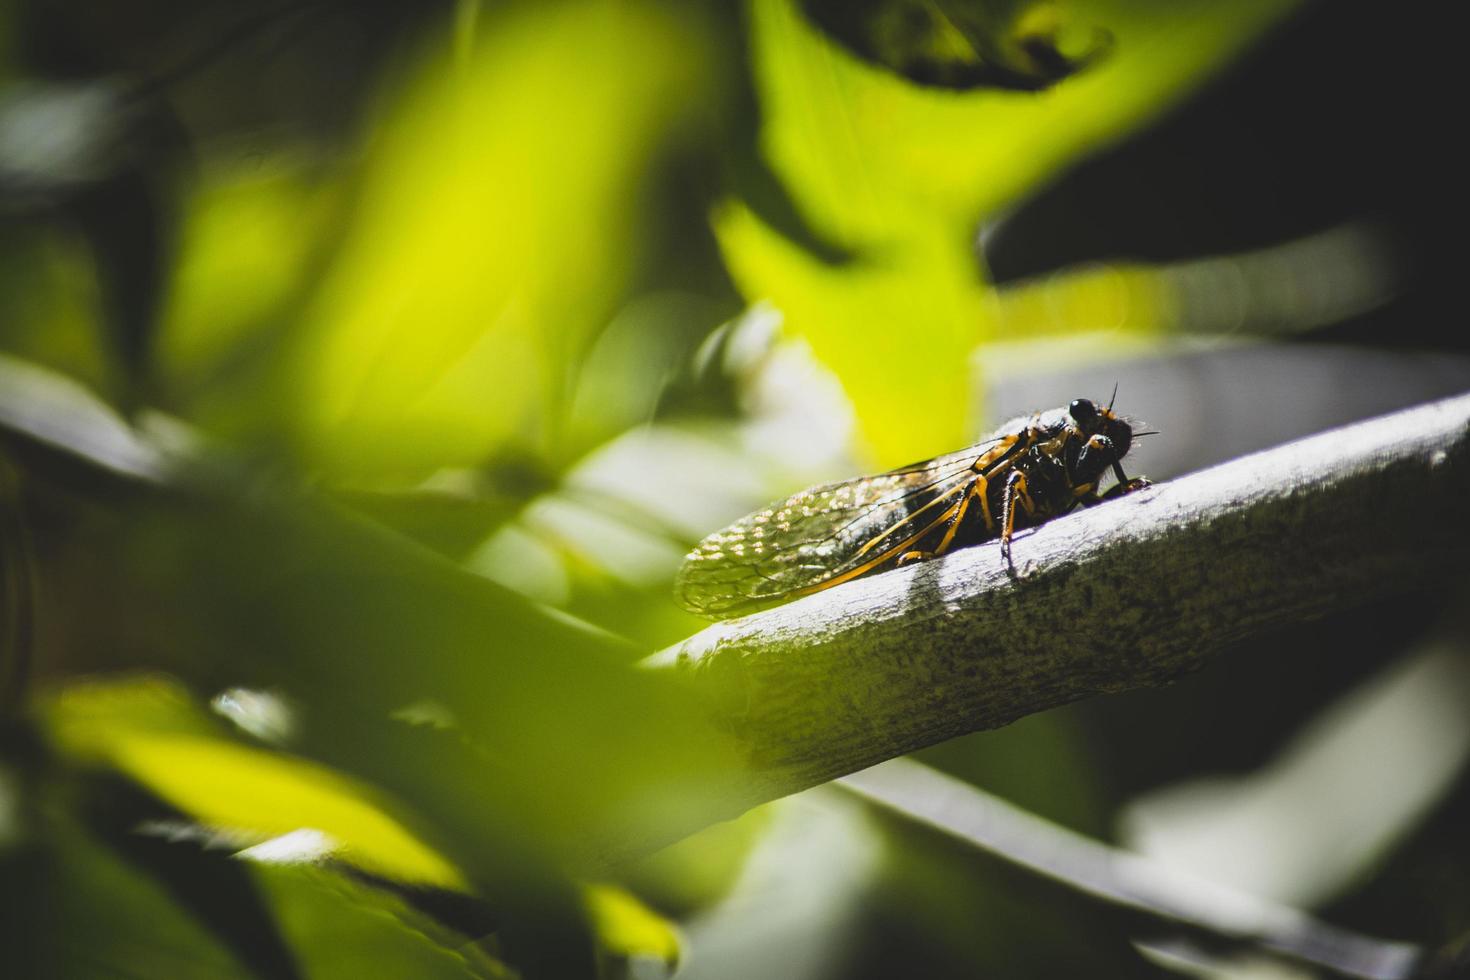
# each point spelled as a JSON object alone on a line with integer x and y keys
{"x": 1082, "y": 411}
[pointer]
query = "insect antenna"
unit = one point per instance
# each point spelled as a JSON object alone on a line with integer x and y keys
{"x": 1115, "y": 396}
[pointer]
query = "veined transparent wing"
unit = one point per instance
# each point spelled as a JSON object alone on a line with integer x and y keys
{"x": 829, "y": 534}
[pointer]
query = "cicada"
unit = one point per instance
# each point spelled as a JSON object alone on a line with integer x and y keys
{"x": 1032, "y": 469}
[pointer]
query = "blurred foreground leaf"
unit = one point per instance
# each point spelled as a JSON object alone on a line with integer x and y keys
{"x": 347, "y": 931}
{"x": 149, "y": 729}
{"x": 628, "y": 928}
{"x": 74, "y": 908}
{"x": 227, "y": 579}
{"x": 47, "y": 304}
{"x": 905, "y": 176}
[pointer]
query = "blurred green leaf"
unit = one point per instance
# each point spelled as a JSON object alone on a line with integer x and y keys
{"x": 1023, "y": 45}
{"x": 698, "y": 870}
{"x": 48, "y": 304}
{"x": 207, "y": 883}
{"x": 354, "y": 624}
{"x": 876, "y": 160}
{"x": 151, "y": 730}
{"x": 451, "y": 523}
{"x": 96, "y": 158}
{"x": 1288, "y": 287}
{"x": 498, "y": 227}
{"x": 628, "y": 928}
{"x": 905, "y": 176}
{"x": 897, "y": 330}
{"x": 227, "y": 579}
{"x": 249, "y": 237}
{"x": 75, "y": 909}
{"x": 1110, "y": 297}
{"x": 340, "y": 929}
{"x": 131, "y": 237}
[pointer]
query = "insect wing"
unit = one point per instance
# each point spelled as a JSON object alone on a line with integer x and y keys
{"x": 827, "y": 534}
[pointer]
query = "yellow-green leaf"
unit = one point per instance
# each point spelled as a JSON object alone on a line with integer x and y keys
{"x": 499, "y": 224}
{"x": 149, "y": 729}
{"x": 627, "y": 927}
{"x": 905, "y": 176}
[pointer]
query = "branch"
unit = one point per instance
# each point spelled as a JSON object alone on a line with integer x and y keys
{"x": 1128, "y": 594}
{"x": 1160, "y": 899}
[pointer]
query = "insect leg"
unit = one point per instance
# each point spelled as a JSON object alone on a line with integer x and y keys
{"x": 977, "y": 489}
{"x": 982, "y": 489}
{"x": 988, "y": 469}
{"x": 874, "y": 543}
{"x": 1014, "y": 492}
{"x": 1085, "y": 496}
{"x": 1124, "y": 484}
{"x": 958, "y": 515}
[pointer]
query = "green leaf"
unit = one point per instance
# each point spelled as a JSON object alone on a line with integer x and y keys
{"x": 905, "y": 176}
{"x": 48, "y": 304}
{"x": 498, "y": 227}
{"x": 627, "y": 928}
{"x": 901, "y": 353}
{"x": 340, "y": 929}
{"x": 226, "y": 579}
{"x": 251, "y": 240}
{"x": 75, "y": 909}
{"x": 151, "y": 730}
{"x": 876, "y": 160}
{"x": 207, "y": 883}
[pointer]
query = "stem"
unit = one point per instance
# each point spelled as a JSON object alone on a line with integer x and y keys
{"x": 1159, "y": 899}
{"x": 1128, "y": 594}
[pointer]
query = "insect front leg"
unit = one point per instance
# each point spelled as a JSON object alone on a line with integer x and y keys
{"x": 1124, "y": 484}
{"x": 1014, "y": 493}
{"x": 1087, "y": 495}
{"x": 952, "y": 527}
{"x": 1084, "y": 496}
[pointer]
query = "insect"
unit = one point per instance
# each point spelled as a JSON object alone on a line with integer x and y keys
{"x": 1030, "y": 470}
